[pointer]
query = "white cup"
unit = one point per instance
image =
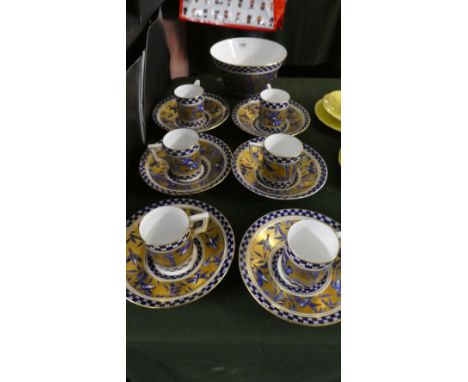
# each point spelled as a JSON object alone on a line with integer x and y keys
{"x": 274, "y": 105}
{"x": 282, "y": 155}
{"x": 190, "y": 104}
{"x": 313, "y": 242}
{"x": 182, "y": 150}
{"x": 311, "y": 247}
{"x": 168, "y": 234}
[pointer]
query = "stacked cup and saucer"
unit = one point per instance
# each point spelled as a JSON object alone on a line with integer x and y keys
{"x": 185, "y": 161}
{"x": 178, "y": 250}
{"x": 290, "y": 261}
{"x": 328, "y": 110}
{"x": 272, "y": 111}
{"x": 191, "y": 107}
{"x": 279, "y": 166}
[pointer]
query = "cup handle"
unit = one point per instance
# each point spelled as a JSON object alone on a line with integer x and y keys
{"x": 152, "y": 147}
{"x": 204, "y": 217}
{"x": 197, "y": 83}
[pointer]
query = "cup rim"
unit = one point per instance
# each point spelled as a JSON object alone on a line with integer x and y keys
{"x": 194, "y": 139}
{"x": 286, "y": 97}
{"x": 146, "y": 231}
{"x": 300, "y": 255}
{"x": 297, "y": 150}
{"x": 198, "y": 90}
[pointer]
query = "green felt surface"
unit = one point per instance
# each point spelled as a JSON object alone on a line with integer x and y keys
{"x": 227, "y": 335}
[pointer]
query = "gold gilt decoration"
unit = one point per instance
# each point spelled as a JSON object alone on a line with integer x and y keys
{"x": 261, "y": 241}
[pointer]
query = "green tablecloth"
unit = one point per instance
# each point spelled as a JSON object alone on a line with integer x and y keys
{"x": 227, "y": 336}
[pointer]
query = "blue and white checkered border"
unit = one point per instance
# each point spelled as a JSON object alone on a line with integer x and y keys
{"x": 281, "y": 160}
{"x": 189, "y": 101}
{"x": 304, "y": 264}
{"x": 190, "y": 191}
{"x": 224, "y": 265}
{"x": 294, "y": 288}
{"x": 188, "y": 178}
{"x": 276, "y": 186}
{"x": 193, "y": 124}
{"x": 153, "y": 268}
{"x": 247, "y": 69}
{"x": 253, "y": 288}
{"x": 253, "y": 130}
{"x": 182, "y": 153}
{"x": 274, "y": 194}
{"x": 274, "y": 106}
{"x": 208, "y": 125}
{"x": 168, "y": 247}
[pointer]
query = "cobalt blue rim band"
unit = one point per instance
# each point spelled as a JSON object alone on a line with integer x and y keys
{"x": 304, "y": 264}
{"x": 254, "y": 289}
{"x": 230, "y": 248}
{"x": 247, "y": 69}
{"x": 182, "y": 153}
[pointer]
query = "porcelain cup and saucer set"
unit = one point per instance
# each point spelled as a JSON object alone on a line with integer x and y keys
{"x": 290, "y": 261}
{"x": 272, "y": 111}
{"x": 185, "y": 162}
{"x": 191, "y": 107}
{"x": 328, "y": 110}
{"x": 178, "y": 250}
{"x": 279, "y": 167}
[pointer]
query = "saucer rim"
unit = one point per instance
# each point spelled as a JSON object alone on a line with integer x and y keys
{"x": 224, "y": 266}
{"x": 227, "y": 112}
{"x": 315, "y": 189}
{"x": 297, "y": 105}
{"x": 206, "y": 137}
{"x": 317, "y": 107}
{"x": 333, "y": 114}
{"x": 294, "y": 318}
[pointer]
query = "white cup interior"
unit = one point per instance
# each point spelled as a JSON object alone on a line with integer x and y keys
{"x": 275, "y": 96}
{"x": 283, "y": 145}
{"x": 188, "y": 91}
{"x": 164, "y": 225}
{"x": 313, "y": 241}
{"x": 180, "y": 139}
{"x": 248, "y": 51}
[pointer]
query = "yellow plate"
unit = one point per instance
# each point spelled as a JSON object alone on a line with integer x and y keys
{"x": 332, "y": 104}
{"x": 326, "y": 118}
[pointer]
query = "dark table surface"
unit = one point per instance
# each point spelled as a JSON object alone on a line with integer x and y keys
{"x": 227, "y": 335}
